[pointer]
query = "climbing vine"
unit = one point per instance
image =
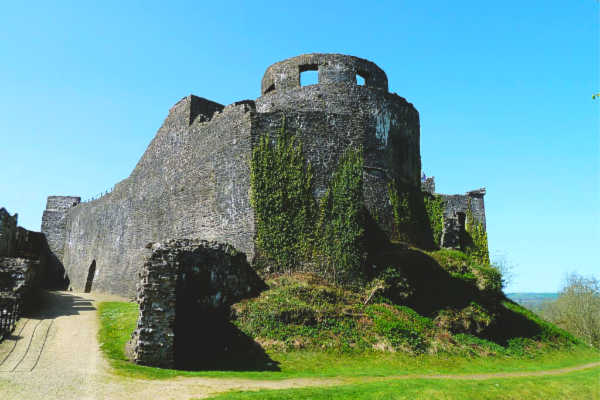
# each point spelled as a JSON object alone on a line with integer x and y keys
{"x": 434, "y": 205}
{"x": 400, "y": 201}
{"x": 476, "y": 244}
{"x": 341, "y": 220}
{"x": 281, "y": 195}
{"x": 291, "y": 230}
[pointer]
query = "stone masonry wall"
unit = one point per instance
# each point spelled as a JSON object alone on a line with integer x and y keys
{"x": 54, "y": 222}
{"x": 8, "y": 233}
{"x": 324, "y": 138}
{"x": 18, "y": 276}
{"x": 455, "y": 211}
{"x": 459, "y": 203}
{"x": 389, "y": 122}
{"x": 193, "y": 180}
{"x": 179, "y": 282}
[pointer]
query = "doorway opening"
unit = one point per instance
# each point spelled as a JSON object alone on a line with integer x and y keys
{"x": 90, "y": 277}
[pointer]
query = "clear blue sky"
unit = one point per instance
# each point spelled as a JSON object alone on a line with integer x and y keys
{"x": 503, "y": 90}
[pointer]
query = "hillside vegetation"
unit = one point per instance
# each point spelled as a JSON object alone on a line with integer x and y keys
{"x": 436, "y": 302}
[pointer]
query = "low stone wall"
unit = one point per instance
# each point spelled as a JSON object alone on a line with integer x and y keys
{"x": 19, "y": 276}
{"x": 179, "y": 282}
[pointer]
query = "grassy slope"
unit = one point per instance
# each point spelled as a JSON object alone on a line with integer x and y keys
{"x": 118, "y": 320}
{"x": 577, "y": 385}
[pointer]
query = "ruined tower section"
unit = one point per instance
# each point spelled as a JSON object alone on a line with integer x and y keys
{"x": 338, "y": 113}
{"x": 54, "y": 222}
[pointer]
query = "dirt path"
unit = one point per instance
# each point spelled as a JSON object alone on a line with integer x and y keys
{"x": 55, "y": 355}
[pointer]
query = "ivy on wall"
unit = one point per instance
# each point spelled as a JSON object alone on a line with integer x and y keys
{"x": 281, "y": 195}
{"x": 476, "y": 243}
{"x": 400, "y": 201}
{"x": 342, "y": 220}
{"x": 292, "y": 231}
{"x": 434, "y": 205}
{"x": 411, "y": 221}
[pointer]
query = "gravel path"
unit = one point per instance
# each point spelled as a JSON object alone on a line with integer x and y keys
{"x": 55, "y": 355}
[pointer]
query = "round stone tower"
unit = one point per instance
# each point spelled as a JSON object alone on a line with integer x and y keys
{"x": 389, "y": 124}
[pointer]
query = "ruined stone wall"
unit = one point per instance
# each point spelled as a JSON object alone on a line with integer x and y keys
{"x": 8, "y": 233}
{"x": 428, "y": 185}
{"x": 19, "y": 276}
{"x": 180, "y": 282}
{"x": 54, "y": 222}
{"x": 192, "y": 181}
{"x": 459, "y": 203}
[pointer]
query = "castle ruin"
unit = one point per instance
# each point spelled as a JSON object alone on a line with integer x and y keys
{"x": 193, "y": 181}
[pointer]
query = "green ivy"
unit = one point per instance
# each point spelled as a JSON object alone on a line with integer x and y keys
{"x": 476, "y": 243}
{"x": 291, "y": 230}
{"x": 281, "y": 195}
{"x": 434, "y": 205}
{"x": 341, "y": 221}
{"x": 400, "y": 201}
{"x": 411, "y": 223}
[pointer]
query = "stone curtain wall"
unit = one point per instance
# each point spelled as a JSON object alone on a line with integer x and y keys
{"x": 192, "y": 181}
{"x": 181, "y": 281}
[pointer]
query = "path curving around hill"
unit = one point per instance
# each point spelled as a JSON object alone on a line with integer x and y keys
{"x": 55, "y": 354}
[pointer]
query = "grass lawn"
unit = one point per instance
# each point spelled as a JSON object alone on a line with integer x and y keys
{"x": 118, "y": 319}
{"x": 577, "y": 385}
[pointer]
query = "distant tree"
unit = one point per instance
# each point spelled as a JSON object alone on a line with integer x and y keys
{"x": 506, "y": 268}
{"x": 577, "y": 308}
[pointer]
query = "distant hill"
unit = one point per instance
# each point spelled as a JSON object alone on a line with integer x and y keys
{"x": 533, "y": 301}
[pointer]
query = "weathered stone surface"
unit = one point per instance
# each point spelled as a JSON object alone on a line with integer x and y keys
{"x": 8, "y": 233}
{"x": 193, "y": 180}
{"x": 456, "y": 207}
{"x": 180, "y": 282}
{"x": 333, "y": 68}
{"x": 428, "y": 185}
{"x": 18, "y": 276}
